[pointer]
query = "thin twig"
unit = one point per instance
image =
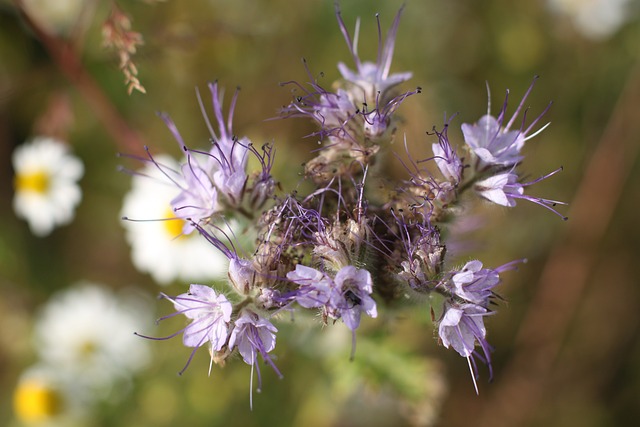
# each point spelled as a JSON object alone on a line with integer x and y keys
{"x": 67, "y": 60}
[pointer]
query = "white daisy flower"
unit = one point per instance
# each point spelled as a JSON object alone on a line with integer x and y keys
{"x": 87, "y": 334}
{"x": 158, "y": 246}
{"x": 46, "y": 188}
{"x": 596, "y": 19}
{"x": 57, "y": 16}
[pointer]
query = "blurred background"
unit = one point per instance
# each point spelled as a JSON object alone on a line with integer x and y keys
{"x": 567, "y": 348}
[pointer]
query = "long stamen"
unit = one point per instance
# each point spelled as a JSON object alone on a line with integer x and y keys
{"x": 473, "y": 375}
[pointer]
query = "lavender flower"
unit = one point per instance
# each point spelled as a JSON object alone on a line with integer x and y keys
{"x": 229, "y": 154}
{"x": 211, "y": 181}
{"x": 378, "y": 123}
{"x": 372, "y": 79}
{"x": 474, "y": 283}
{"x": 159, "y": 243}
{"x": 461, "y": 326}
{"x": 360, "y": 113}
{"x": 253, "y": 335}
{"x": 493, "y": 142}
{"x": 352, "y": 296}
{"x": 501, "y": 189}
{"x": 210, "y": 314}
{"x": 198, "y": 200}
{"x": 198, "y": 197}
{"x": 346, "y": 296}
{"x": 334, "y": 113}
{"x": 315, "y": 286}
{"x": 504, "y": 188}
{"x": 448, "y": 162}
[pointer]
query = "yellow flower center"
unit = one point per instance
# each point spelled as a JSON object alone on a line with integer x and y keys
{"x": 173, "y": 225}
{"x": 36, "y": 402}
{"x": 87, "y": 349}
{"x": 37, "y": 182}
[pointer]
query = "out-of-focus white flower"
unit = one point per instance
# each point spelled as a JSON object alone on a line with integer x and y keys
{"x": 596, "y": 19}
{"x": 46, "y": 188}
{"x": 87, "y": 334}
{"x": 57, "y": 16}
{"x": 157, "y": 243}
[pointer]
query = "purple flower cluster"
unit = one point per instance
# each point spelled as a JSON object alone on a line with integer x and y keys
{"x": 345, "y": 248}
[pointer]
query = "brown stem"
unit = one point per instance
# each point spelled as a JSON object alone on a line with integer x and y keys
{"x": 67, "y": 60}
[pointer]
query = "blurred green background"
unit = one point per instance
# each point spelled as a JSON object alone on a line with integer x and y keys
{"x": 566, "y": 341}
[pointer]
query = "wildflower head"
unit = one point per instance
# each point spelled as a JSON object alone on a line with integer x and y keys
{"x": 333, "y": 112}
{"x": 198, "y": 196}
{"x": 474, "y": 283}
{"x": 210, "y": 314}
{"x": 461, "y": 327}
{"x": 493, "y": 142}
{"x": 159, "y": 243}
{"x": 351, "y": 296}
{"x": 83, "y": 337}
{"x": 213, "y": 180}
{"x": 228, "y": 154}
{"x": 448, "y": 162}
{"x": 359, "y": 115}
{"x": 503, "y": 189}
{"x": 344, "y": 296}
{"x": 370, "y": 80}
{"x": 314, "y": 286}
{"x": 254, "y": 335}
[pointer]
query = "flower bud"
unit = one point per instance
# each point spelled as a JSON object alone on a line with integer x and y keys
{"x": 241, "y": 275}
